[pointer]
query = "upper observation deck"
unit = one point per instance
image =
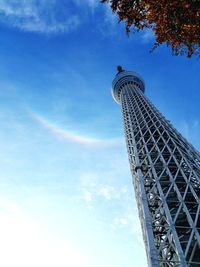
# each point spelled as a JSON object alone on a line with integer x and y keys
{"x": 124, "y": 78}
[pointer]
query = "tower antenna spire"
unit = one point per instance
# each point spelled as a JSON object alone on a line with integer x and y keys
{"x": 119, "y": 69}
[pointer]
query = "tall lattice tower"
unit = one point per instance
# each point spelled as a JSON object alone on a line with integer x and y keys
{"x": 166, "y": 177}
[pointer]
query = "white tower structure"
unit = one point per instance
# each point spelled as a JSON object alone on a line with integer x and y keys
{"x": 166, "y": 177}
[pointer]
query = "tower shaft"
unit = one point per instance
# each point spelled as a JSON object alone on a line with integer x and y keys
{"x": 166, "y": 178}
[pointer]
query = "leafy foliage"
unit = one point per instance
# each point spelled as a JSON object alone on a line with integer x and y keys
{"x": 174, "y": 22}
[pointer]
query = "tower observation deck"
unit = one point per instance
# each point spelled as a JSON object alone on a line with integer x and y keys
{"x": 166, "y": 176}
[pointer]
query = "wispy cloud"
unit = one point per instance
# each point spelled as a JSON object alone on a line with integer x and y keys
{"x": 45, "y": 16}
{"x": 120, "y": 199}
{"x": 51, "y": 16}
{"x": 190, "y": 130}
{"x": 105, "y": 192}
{"x": 89, "y": 3}
{"x": 147, "y": 36}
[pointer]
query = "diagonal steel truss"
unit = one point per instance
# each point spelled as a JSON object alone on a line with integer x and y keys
{"x": 166, "y": 178}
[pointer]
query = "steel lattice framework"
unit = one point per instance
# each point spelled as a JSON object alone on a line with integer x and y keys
{"x": 166, "y": 177}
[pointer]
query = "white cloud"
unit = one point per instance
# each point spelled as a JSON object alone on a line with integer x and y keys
{"x": 44, "y": 17}
{"x": 120, "y": 200}
{"x": 108, "y": 192}
{"x": 128, "y": 219}
{"x": 120, "y": 221}
{"x": 88, "y": 196}
{"x": 92, "y": 191}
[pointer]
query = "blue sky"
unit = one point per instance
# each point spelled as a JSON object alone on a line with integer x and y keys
{"x": 66, "y": 196}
